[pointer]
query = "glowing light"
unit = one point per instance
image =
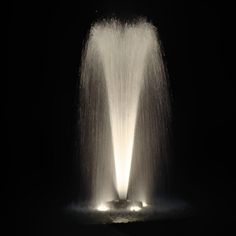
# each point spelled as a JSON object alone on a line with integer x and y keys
{"x": 102, "y": 207}
{"x": 144, "y": 204}
{"x": 135, "y": 208}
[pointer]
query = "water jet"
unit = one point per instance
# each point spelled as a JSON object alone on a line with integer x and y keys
{"x": 124, "y": 115}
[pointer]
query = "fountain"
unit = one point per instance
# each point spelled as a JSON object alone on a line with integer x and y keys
{"x": 124, "y": 116}
{"x": 124, "y": 110}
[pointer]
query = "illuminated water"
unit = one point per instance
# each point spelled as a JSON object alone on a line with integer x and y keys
{"x": 124, "y": 112}
{"x": 161, "y": 209}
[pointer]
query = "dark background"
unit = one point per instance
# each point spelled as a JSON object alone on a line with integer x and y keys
{"x": 44, "y": 55}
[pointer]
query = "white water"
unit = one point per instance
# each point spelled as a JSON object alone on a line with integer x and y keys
{"x": 123, "y": 90}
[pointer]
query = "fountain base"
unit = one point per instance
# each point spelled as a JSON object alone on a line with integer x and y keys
{"x": 122, "y": 205}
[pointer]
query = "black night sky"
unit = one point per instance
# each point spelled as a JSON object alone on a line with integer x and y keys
{"x": 44, "y": 55}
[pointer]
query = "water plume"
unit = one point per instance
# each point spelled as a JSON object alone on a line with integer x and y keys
{"x": 124, "y": 110}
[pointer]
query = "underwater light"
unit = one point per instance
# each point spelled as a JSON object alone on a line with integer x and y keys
{"x": 102, "y": 207}
{"x": 135, "y": 208}
{"x": 144, "y": 204}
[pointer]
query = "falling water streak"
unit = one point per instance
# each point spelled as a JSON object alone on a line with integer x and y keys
{"x": 124, "y": 109}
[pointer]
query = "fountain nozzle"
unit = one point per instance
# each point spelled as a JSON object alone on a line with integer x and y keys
{"x": 123, "y": 205}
